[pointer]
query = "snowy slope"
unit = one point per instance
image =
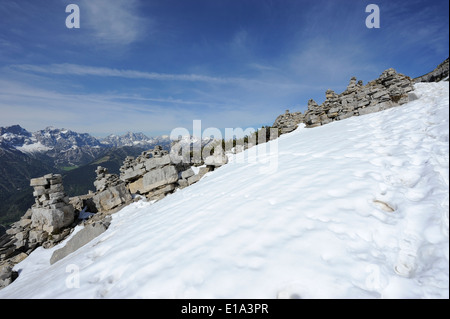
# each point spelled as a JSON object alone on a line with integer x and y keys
{"x": 320, "y": 225}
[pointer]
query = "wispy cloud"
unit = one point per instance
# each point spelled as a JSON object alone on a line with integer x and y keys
{"x": 114, "y": 22}
{"x": 243, "y": 82}
{"x": 82, "y": 70}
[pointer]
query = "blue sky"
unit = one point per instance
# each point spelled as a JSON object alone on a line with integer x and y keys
{"x": 151, "y": 66}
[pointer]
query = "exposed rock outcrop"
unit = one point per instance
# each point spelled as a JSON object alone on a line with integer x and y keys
{"x": 45, "y": 224}
{"x": 389, "y": 90}
{"x": 151, "y": 174}
{"x": 440, "y": 73}
{"x": 81, "y": 238}
{"x": 111, "y": 191}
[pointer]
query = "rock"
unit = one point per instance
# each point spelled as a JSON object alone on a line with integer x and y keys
{"x": 81, "y": 238}
{"x": 18, "y": 258}
{"x": 187, "y": 173}
{"x": 52, "y": 219}
{"x": 105, "y": 180}
{"x": 132, "y": 174}
{"x": 37, "y": 236}
{"x": 216, "y": 160}
{"x": 182, "y": 183}
{"x": 154, "y": 179}
{"x": 112, "y": 197}
{"x": 194, "y": 179}
{"x": 441, "y": 72}
{"x": 83, "y": 201}
{"x": 7, "y": 275}
{"x": 12, "y": 231}
{"x": 390, "y": 89}
{"x": 160, "y": 192}
{"x": 157, "y": 162}
{"x": 41, "y": 181}
{"x": 203, "y": 170}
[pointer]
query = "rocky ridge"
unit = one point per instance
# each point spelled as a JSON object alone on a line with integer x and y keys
{"x": 440, "y": 73}
{"x": 389, "y": 90}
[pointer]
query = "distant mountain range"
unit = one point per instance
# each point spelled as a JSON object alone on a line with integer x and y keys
{"x": 25, "y": 155}
{"x": 67, "y": 148}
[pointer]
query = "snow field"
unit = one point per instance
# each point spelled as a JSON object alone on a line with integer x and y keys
{"x": 355, "y": 209}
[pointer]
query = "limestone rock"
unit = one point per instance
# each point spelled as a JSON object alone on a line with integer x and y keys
{"x": 80, "y": 239}
{"x": 440, "y": 73}
{"x": 216, "y": 160}
{"x": 52, "y": 219}
{"x": 112, "y": 197}
{"x": 156, "y": 178}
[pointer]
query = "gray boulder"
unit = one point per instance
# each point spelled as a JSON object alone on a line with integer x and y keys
{"x": 216, "y": 160}
{"x": 80, "y": 239}
{"x": 154, "y": 179}
{"x": 112, "y": 197}
{"x": 52, "y": 220}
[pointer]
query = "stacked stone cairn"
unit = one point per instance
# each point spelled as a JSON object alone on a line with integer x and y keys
{"x": 47, "y": 222}
{"x": 389, "y": 90}
{"x": 288, "y": 122}
{"x": 111, "y": 191}
{"x": 151, "y": 174}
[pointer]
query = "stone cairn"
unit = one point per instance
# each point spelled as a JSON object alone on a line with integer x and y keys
{"x": 151, "y": 174}
{"x": 111, "y": 191}
{"x": 389, "y": 90}
{"x": 52, "y": 209}
{"x": 104, "y": 180}
{"x": 154, "y": 173}
{"x": 45, "y": 224}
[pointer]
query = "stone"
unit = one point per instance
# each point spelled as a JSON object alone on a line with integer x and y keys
{"x": 137, "y": 186}
{"x": 7, "y": 275}
{"x": 38, "y": 236}
{"x": 154, "y": 179}
{"x": 81, "y": 238}
{"x": 203, "y": 170}
{"x": 55, "y": 179}
{"x": 52, "y": 219}
{"x": 112, "y": 197}
{"x": 18, "y": 258}
{"x": 41, "y": 181}
{"x": 155, "y": 162}
{"x": 438, "y": 74}
{"x": 132, "y": 174}
{"x": 329, "y": 94}
{"x": 194, "y": 179}
{"x": 12, "y": 231}
{"x": 161, "y": 191}
{"x": 183, "y": 183}
{"x": 216, "y": 160}
{"x": 187, "y": 173}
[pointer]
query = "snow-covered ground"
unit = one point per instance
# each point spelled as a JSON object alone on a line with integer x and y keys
{"x": 353, "y": 209}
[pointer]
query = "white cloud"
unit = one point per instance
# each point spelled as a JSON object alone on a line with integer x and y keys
{"x": 113, "y": 22}
{"x": 82, "y": 70}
